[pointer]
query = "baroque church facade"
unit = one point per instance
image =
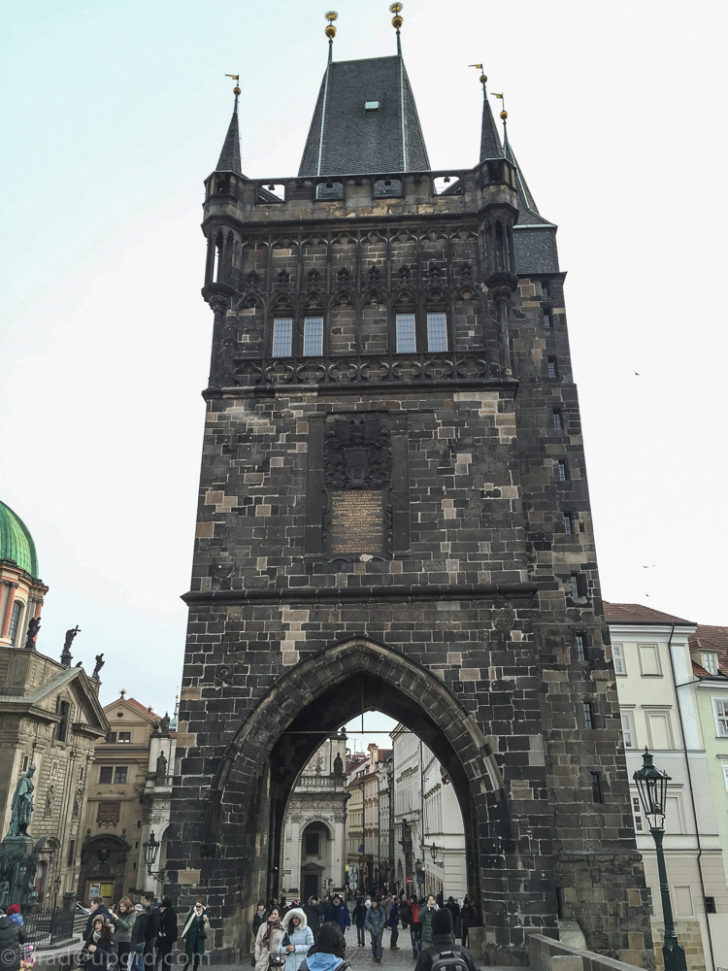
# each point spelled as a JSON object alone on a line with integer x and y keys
{"x": 394, "y": 515}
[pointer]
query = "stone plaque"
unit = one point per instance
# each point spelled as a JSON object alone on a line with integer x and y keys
{"x": 357, "y": 521}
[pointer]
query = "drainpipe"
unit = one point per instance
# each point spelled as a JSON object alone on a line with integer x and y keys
{"x": 692, "y": 795}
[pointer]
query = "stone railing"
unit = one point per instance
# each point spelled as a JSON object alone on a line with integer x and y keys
{"x": 546, "y": 954}
{"x": 373, "y": 370}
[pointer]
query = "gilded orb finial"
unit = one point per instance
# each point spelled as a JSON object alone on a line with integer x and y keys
{"x": 329, "y": 29}
{"x": 397, "y": 21}
{"x": 236, "y": 78}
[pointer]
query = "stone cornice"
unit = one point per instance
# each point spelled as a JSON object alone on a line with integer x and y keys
{"x": 402, "y": 594}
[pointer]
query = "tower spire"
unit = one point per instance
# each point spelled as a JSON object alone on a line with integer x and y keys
{"x": 397, "y": 22}
{"x": 526, "y": 202}
{"x": 229, "y": 160}
{"x": 490, "y": 146}
{"x": 330, "y": 32}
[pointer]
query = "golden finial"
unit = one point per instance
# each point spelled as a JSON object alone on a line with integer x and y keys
{"x": 330, "y": 30}
{"x": 483, "y": 77}
{"x": 397, "y": 21}
{"x": 236, "y": 78}
{"x": 499, "y": 95}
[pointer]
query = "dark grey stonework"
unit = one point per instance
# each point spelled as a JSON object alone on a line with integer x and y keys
{"x": 460, "y": 613}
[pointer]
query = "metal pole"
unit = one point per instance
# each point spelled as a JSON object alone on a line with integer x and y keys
{"x": 673, "y": 955}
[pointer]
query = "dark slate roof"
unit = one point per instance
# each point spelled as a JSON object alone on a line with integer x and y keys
{"x": 229, "y": 160}
{"x": 528, "y": 210}
{"x": 639, "y": 614}
{"x": 490, "y": 146}
{"x": 347, "y": 139}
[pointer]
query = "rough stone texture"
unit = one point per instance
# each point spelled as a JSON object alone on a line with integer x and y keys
{"x": 464, "y": 626}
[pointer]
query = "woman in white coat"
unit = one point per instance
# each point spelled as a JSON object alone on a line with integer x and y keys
{"x": 268, "y": 939}
{"x": 297, "y": 938}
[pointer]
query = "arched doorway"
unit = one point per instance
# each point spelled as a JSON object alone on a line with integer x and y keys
{"x": 243, "y": 821}
{"x": 103, "y": 866}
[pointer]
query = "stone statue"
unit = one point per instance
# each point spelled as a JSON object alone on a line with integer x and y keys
{"x": 33, "y": 628}
{"x": 66, "y": 655}
{"x": 22, "y": 806}
{"x": 161, "y": 771}
{"x": 338, "y": 765}
{"x": 164, "y": 724}
{"x": 99, "y": 664}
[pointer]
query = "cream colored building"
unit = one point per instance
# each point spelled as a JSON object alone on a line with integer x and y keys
{"x": 665, "y": 706}
{"x": 314, "y": 854}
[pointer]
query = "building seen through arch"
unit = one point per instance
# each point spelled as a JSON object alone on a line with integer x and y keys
{"x": 391, "y": 519}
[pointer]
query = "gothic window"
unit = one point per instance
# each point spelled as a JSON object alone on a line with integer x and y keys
{"x": 580, "y": 646}
{"x": 436, "y": 332}
{"x": 282, "y": 337}
{"x": 588, "y": 715}
{"x": 313, "y": 336}
{"x": 567, "y": 523}
{"x": 596, "y": 786}
{"x": 406, "y": 333}
{"x": 562, "y": 471}
{"x": 552, "y": 367}
{"x": 557, "y": 420}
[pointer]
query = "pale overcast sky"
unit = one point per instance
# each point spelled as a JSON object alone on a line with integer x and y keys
{"x": 115, "y": 112}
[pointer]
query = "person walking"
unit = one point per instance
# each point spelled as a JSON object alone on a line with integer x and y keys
{"x": 415, "y": 926}
{"x": 443, "y": 941}
{"x": 426, "y": 914}
{"x": 297, "y": 938}
{"x": 194, "y": 934}
{"x": 468, "y": 918}
{"x": 338, "y": 913}
{"x": 359, "y": 915}
{"x": 313, "y": 915}
{"x": 374, "y": 923}
{"x": 126, "y": 917}
{"x": 167, "y": 935}
{"x": 268, "y": 939}
{"x": 393, "y": 925}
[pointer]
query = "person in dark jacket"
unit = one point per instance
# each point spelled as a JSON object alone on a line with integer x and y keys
{"x": 442, "y": 940}
{"x": 374, "y": 923}
{"x": 338, "y": 913}
{"x": 415, "y": 926}
{"x": 359, "y": 914}
{"x": 194, "y": 934}
{"x": 393, "y": 925}
{"x": 167, "y": 934}
{"x": 98, "y": 947}
{"x": 468, "y": 918}
{"x": 313, "y": 915}
{"x": 98, "y": 909}
{"x": 11, "y": 937}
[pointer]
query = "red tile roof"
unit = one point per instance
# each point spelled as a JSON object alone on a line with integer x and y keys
{"x": 708, "y": 638}
{"x": 639, "y": 614}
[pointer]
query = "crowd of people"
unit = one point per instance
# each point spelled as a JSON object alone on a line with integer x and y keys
{"x": 287, "y": 936}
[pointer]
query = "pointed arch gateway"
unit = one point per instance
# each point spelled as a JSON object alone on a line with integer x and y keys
{"x": 251, "y": 788}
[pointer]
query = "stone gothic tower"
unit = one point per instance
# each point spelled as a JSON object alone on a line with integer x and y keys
{"x": 393, "y": 515}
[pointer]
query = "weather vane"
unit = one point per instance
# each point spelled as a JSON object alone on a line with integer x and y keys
{"x": 236, "y": 89}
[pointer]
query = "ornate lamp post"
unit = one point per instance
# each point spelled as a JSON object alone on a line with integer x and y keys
{"x": 151, "y": 848}
{"x": 652, "y": 786}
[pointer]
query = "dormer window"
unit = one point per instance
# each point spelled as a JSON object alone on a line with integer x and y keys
{"x": 709, "y": 660}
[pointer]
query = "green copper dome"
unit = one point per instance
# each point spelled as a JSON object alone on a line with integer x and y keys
{"x": 16, "y": 543}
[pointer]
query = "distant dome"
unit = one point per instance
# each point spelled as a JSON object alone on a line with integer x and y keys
{"x": 16, "y": 543}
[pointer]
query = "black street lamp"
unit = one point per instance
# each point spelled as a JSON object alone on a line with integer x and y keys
{"x": 151, "y": 848}
{"x": 652, "y": 787}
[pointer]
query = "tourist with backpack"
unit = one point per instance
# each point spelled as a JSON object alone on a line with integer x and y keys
{"x": 444, "y": 954}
